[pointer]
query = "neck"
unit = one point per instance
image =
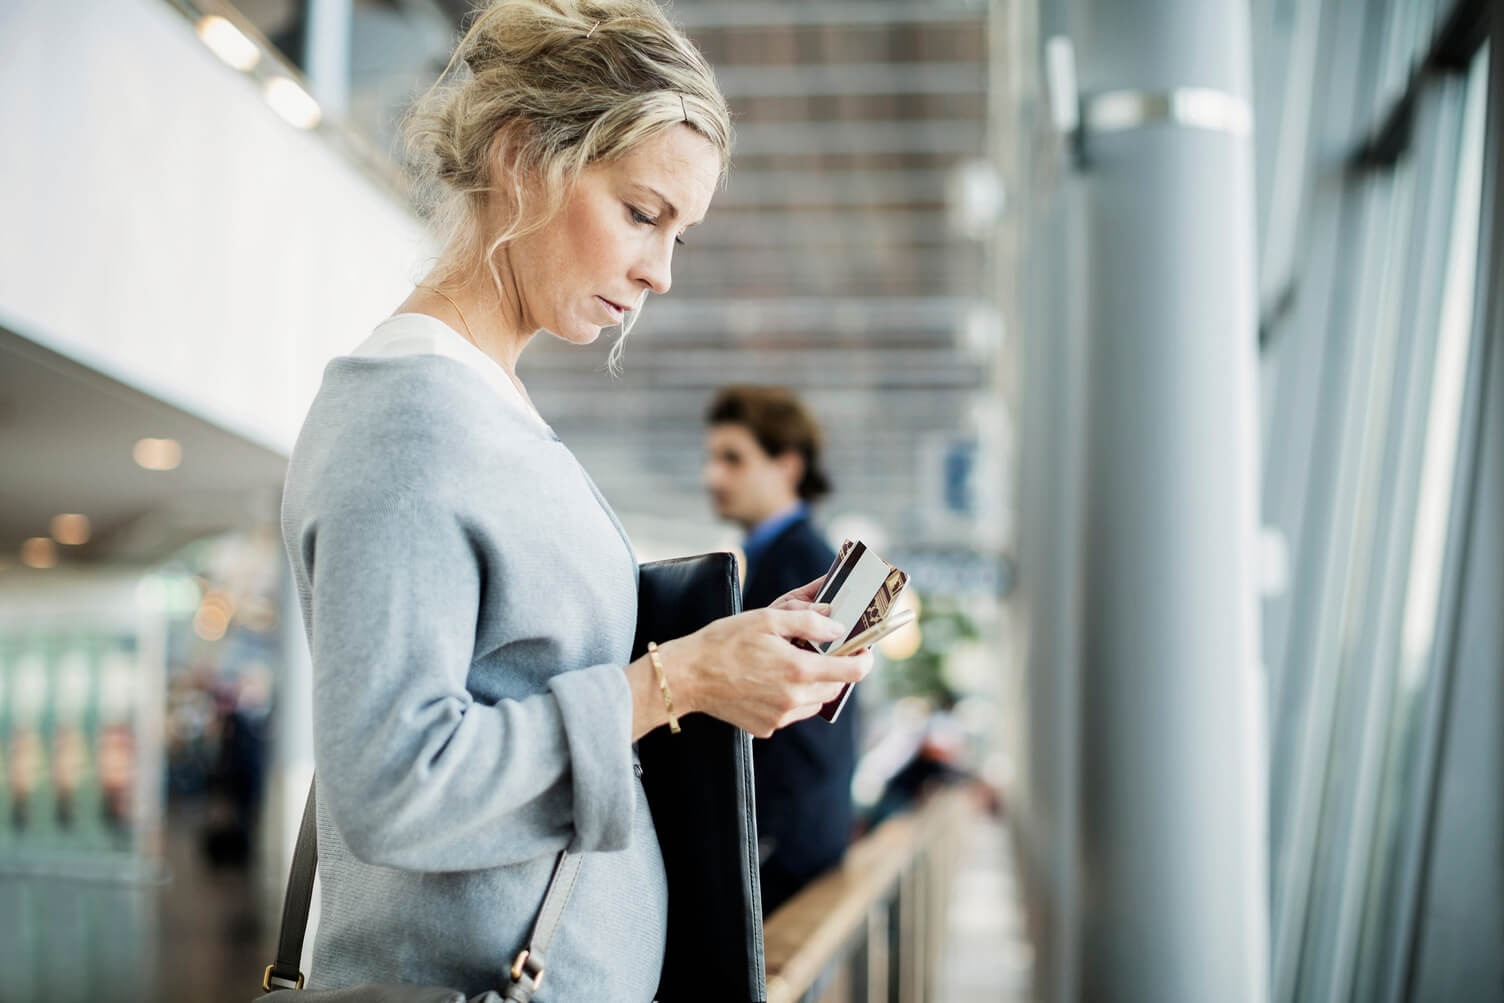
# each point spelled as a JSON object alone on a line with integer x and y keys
{"x": 783, "y": 508}
{"x": 489, "y": 317}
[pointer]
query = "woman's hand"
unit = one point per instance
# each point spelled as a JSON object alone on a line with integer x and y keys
{"x": 743, "y": 670}
{"x": 802, "y": 598}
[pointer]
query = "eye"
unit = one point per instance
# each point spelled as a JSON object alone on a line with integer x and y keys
{"x": 643, "y": 219}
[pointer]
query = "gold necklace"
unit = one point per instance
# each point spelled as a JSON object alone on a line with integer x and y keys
{"x": 471, "y": 336}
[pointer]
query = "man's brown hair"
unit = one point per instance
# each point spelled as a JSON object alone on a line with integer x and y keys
{"x": 779, "y": 422}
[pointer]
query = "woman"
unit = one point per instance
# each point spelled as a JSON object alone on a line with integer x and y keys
{"x": 469, "y": 596}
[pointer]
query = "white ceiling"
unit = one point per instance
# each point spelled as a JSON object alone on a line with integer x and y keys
{"x": 66, "y": 434}
{"x": 831, "y": 265}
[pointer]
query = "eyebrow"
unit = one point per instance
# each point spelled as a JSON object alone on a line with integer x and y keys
{"x": 668, "y": 207}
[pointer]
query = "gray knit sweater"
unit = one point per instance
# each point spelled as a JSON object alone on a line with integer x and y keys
{"x": 470, "y": 602}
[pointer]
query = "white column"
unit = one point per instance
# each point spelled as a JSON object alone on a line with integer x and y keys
{"x": 327, "y": 54}
{"x": 1171, "y": 843}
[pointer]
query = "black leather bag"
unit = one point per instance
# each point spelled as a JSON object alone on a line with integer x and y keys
{"x": 699, "y": 787}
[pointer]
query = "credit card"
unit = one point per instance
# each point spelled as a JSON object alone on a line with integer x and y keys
{"x": 862, "y": 590}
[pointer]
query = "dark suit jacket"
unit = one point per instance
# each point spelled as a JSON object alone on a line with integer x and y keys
{"x": 804, "y": 771}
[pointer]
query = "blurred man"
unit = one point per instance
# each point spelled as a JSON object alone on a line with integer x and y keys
{"x": 762, "y": 471}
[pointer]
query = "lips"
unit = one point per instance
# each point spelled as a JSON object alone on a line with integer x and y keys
{"x": 616, "y": 310}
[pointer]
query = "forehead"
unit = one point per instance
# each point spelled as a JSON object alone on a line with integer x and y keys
{"x": 731, "y": 437}
{"x": 678, "y": 163}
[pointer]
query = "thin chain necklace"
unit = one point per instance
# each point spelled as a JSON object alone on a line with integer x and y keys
{"x": 471, "y": 336}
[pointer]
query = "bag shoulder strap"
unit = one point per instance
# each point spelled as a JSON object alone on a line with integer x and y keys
{"x": 527, "y": 970}
{"x": 284, "y": 972}
{"x": 525, "y": 974}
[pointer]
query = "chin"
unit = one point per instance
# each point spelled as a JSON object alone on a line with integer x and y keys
{"x": 584, "y": 334}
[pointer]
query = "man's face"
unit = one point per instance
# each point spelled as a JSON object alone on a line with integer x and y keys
{"x": 747, "y": 485}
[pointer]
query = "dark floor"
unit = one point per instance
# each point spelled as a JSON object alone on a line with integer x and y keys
{"x": 86, "y": 930}
{"x": 213, "y": 947}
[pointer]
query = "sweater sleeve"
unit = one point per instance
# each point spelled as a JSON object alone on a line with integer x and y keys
{"x": 416, "y": 773}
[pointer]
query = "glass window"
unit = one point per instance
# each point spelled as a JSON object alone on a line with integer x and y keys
{"x": 1415, "y": 664}
{"x": 1344, "y": 772}
{"x": 1366, "y": 488}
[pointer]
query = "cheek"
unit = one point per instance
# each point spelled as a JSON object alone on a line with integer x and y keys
{"x": 596, "y": 240}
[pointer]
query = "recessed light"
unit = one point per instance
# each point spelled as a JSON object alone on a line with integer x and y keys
{"x": 220, "y": 600}
{"x": 295, "y": 105}
{"x": 70, "y": 528}
{"x": 211, "y": 622}
{"x": 228, "y": 42}
{"x": 38, "y": 552}
{"x": 158, "y": 454}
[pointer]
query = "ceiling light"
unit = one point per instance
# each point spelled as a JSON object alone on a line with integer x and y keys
{"x": 38, "y": 552}
{"x": 211, "y": 622}
{"x": 158, "y": 454}
{"x": 220, "y": 600}
{"x": 292, "y": 102}
{"x": 70, "y": 528}
{"x": 228, "y": 42}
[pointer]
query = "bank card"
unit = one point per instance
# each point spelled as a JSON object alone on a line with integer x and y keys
{"x": 862, "y": 589}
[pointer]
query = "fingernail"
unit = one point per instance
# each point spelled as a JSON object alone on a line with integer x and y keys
{"x": 838, "y": 627}
{"x": 823, "y": 608}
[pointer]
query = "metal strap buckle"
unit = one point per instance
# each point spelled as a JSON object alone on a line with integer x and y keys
{"x": 266, "y": 980}
{"x": 521, "y": 965}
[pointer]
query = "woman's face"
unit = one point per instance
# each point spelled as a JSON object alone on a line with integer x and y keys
{"x": 614, "y": 237}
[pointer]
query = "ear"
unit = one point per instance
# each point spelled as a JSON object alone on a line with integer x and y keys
{"x": 791, "y": 465}
{"x": 514, "y": 191}
{"x": 503, "y": 153}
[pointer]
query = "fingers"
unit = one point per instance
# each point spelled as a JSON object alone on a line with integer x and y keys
{"x": 805, "y": 700}
{"x": 838, "y": 670}
{"x": 822, "y": 608}
{"x": 804, "y": 594}
{"x": 808, "y": 590}
{"x": 808, "y": 710}
{"x": 821, "y": 680}
{"x": 817, "y": 695}
{"x": 760, "y": 682}
{"x": 804, "y": 623}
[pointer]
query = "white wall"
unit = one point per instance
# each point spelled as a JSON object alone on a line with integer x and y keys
{"x": 160, "y": 223}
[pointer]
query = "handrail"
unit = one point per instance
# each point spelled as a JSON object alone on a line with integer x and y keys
{"x": 877, "y": 918}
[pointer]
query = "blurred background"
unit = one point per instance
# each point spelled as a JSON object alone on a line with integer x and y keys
{"x": 1158, "y": 339}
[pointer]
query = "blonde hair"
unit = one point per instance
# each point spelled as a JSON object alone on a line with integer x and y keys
{"x": 535, "y": 92}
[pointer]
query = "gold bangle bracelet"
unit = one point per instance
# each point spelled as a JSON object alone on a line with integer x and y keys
{"x": 668, "y": 698}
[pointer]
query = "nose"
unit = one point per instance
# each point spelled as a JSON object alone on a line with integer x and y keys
{"x": 655, "y": 268}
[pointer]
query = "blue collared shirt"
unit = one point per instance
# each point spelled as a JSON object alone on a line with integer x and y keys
{"x": 761, "y": 536}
